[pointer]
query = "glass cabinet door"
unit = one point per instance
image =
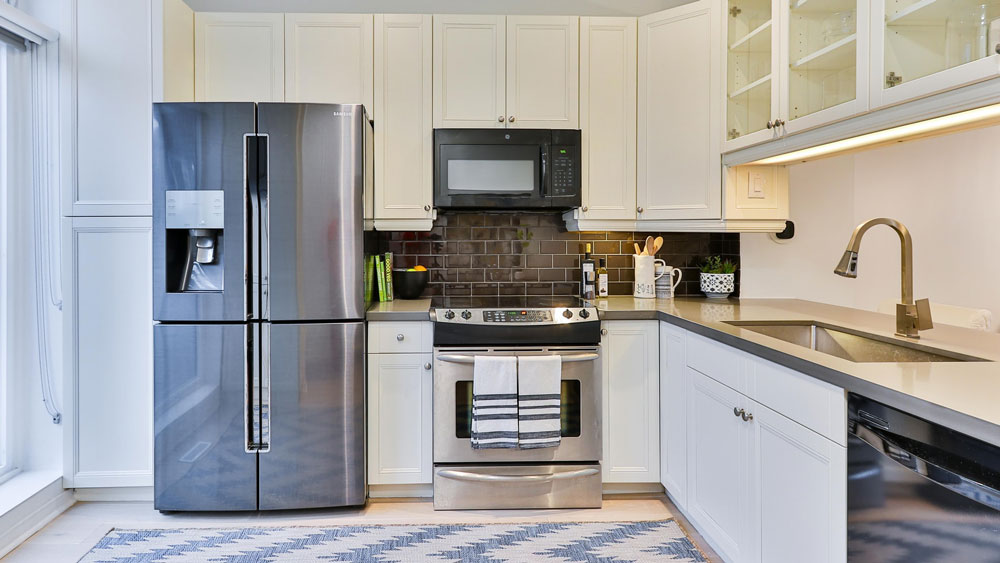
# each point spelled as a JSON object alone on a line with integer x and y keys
{"x": 750, "y": 39}
{"x": 822, "y": 60}
{"x": 947, "y": 43}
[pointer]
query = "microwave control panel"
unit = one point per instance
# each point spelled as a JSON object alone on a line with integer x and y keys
{"x": 565, "y": 170}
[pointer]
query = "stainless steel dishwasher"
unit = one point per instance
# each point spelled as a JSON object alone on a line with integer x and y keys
{"x": 918, "y": 491}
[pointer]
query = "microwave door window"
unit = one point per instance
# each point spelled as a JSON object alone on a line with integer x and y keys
{"x": 507, "y": 177}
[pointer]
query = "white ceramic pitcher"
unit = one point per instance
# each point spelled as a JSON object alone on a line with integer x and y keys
{"x": 645, "y": 276}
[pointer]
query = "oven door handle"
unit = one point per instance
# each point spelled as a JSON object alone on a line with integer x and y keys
{"x": 466, "y": 359}
{"x": 543, "y": 478}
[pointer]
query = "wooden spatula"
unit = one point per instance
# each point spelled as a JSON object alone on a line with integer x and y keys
{"x": 637, "y": 251}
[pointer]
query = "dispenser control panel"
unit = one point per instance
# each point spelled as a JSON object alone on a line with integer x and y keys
{"x": 195, "y": 209}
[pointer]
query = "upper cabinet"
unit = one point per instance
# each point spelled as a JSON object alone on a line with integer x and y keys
{"x": 328, "y": 58}
{"x": 404, "y": 140}
{"x": 751, "y": 40}
{"x": 679, "y": 142}
{"x": 922, "y": 47}
{"x": 239, "y": 57}
{"x": 497, "y": 71}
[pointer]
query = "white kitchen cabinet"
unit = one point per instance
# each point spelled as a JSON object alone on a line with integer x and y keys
{"x": 328, "y": 59}
{"x": 108, "y": 391}
{"x": 543, "y": 72}
{"x": 631, "y": 413}
{"x": 399, "y": 418}
{"x": 799, "y": 482}
{"x": 469, "y": 71}
{"x": 111, "y": 113}
{"x": 608, "y": 118}
{"x": 513, "y": 71}
{"x": 404, "y": 140}
{"x": 679, "y": 129}
{"x": 673, "y": 413}
{"x": 718, "y": 443}
{"x": 752, "y": 40}
{"x": 239, "y": 57}
{"x": 928, "y": 46}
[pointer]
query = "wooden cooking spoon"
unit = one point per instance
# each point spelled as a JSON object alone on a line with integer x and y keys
{"x": 657, "y": 245}
{"x": 649, "y": 247}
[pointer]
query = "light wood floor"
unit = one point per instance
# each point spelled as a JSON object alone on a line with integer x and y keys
{"x": 71, "y": 535}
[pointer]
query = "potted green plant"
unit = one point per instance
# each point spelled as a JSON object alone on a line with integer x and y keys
{"x": 718, "y": 277}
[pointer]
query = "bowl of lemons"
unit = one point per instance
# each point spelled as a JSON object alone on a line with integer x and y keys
{"x": 410, "y": 283}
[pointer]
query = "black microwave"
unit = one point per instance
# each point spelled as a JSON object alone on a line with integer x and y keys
{"x": 507, "y": 168}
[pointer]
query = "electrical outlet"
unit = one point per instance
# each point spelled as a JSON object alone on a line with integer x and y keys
{"x": 757, "y": 186}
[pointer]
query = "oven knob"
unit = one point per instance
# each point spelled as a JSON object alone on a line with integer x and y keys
{"x": 466, "y": 315}
{"x": 449, "y": 315}
{"x": 584, "y": 314}
{"x": 568, "y": 314}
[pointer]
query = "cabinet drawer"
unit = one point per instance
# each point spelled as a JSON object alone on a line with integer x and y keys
{"x": 815, "y": 404}
{"x": 400, "y": 337}
{"x": 718, "y": 361}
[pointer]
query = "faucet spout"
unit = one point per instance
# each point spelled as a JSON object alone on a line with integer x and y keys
{"x": 910, "y": 317}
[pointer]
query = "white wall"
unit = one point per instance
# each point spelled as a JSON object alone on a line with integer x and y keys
{"x": 946, "y": 190}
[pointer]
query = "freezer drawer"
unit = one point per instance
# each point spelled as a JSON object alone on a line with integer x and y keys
{"x": 200, "y": 419}
{"x": 469, "y": 487}
{"x": 316, "y": 402}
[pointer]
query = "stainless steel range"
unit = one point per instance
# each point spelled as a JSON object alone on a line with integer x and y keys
{"x": 566, "y": 476}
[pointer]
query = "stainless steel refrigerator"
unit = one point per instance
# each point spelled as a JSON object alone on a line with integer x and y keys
{"x": 259, "y": 299}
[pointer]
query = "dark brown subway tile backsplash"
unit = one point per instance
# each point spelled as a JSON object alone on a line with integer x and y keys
{"x": 472, "y": 253}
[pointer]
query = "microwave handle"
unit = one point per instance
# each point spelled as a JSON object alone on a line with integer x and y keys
{"x": 543, "y": 187}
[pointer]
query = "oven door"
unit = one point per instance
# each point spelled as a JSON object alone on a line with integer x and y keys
{"x": 491, "y": 168}
{"x": 580, "y": 410}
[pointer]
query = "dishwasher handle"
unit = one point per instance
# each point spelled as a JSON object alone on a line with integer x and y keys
{"x": 886, "y": 444}
{"x": 467, "y": 359}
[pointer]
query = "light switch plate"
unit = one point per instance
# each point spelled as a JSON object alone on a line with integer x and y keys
{"x": 757, "y": 186}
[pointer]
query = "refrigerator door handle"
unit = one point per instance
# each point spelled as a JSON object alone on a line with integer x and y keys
{"x": 250, "y": 425}
{"x": 264, "y": 444}
{"x": 264, "y": 190}
{"x": 251, "y": 203}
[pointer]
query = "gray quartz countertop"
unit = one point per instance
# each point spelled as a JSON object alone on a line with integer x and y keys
{"x": 964, "y": 396}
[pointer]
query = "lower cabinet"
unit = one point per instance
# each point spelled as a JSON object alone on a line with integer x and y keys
{"x": 108, "y": 392}
{"x": 673, "y": 413}
{"x": 631, "y": 410}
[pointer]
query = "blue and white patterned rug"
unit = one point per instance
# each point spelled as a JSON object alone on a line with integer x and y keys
{"x": 606, "y": 542}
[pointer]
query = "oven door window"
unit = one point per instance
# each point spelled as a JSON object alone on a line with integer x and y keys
{"x": 569, "y": 412}
{"x": 498, "y": 170}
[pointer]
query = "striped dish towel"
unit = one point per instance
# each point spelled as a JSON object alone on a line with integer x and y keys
{"x": 538, "y": 401}
{"x": 494, "y": 402}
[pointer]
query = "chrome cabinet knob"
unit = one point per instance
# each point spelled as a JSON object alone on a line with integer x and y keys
{"x": 638, "y": 209}
{"x": 737, "y": 411}
{"x": 584, "y": 208}
{"x": 604, "y": 332}
{"x": 747, "y": 416}
{"x": 399, "y": 338}
{"x": 775, "y": 124}
{"x": 500, "y": 119}
{"x": 511, "y": 119}
{"x": 427, "y": 366}
{"x": 427, "y": 208}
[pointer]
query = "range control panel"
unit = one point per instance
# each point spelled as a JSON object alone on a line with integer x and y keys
{"x": 516, "y": 316}
{"x": 547, "y": 316}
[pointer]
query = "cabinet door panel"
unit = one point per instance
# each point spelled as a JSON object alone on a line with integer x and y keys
{"x": 399, "y": 419}
{"x": 679, "y": 166}
{"x": 673, "y": 413}
{"x": 607, "y": 116}
{"x": 718, "y": 477}
{"x": 800, "y": 481}
{"x": 469, "y": 71}
{"x": 328, "y": 59}
{"x": 404, "y": 146}
{"x": 239, "y": 57}
{"x": 631, "y": 402}
{"x": 542, "y": 72}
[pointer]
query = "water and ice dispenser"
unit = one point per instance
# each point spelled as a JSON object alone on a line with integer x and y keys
{"x": 194, "y": 222}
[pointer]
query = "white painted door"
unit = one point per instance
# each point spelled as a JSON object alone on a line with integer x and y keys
{"x": 112, "y": 135}
{"x": 239, "y": 57}
{"x": 718, "y": 472}
{"x": 404, "y": 143}
{"x": 109, "y": 334}
{"x": 607, "y": 117}
{"x": 328, "y": 59}
{"x": 673, "y": 412}
{"x": 469, "y": 71}
{"x": 799, "y": 485}
{"x": 679, "y": 162}
{"x": 630, "y": 366}
{"x": 543, "y": 62}
{"x": 399, "y": 418}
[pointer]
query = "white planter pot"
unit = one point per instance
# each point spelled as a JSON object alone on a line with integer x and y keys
{"x": 718, "y": 285}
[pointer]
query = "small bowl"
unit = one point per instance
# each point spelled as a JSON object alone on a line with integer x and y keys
{"x": 409, "y": 285}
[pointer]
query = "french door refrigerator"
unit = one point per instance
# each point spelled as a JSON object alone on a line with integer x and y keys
{"x": 259, "y": 299}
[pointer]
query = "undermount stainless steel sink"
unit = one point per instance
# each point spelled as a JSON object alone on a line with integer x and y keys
{"x": 850, "y": 344}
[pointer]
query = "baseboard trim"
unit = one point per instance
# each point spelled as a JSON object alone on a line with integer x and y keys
{"x": 22, "y": 521}
{"x": 400, "y": 491}
{"x": 114, "y": 494}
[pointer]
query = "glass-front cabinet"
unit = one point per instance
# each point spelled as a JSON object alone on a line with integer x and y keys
{"x": 751, "y": 83}
{"x": 927, "y": 46}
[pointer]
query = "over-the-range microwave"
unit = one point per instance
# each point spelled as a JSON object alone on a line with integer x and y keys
{"x": 507, "y": 168}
